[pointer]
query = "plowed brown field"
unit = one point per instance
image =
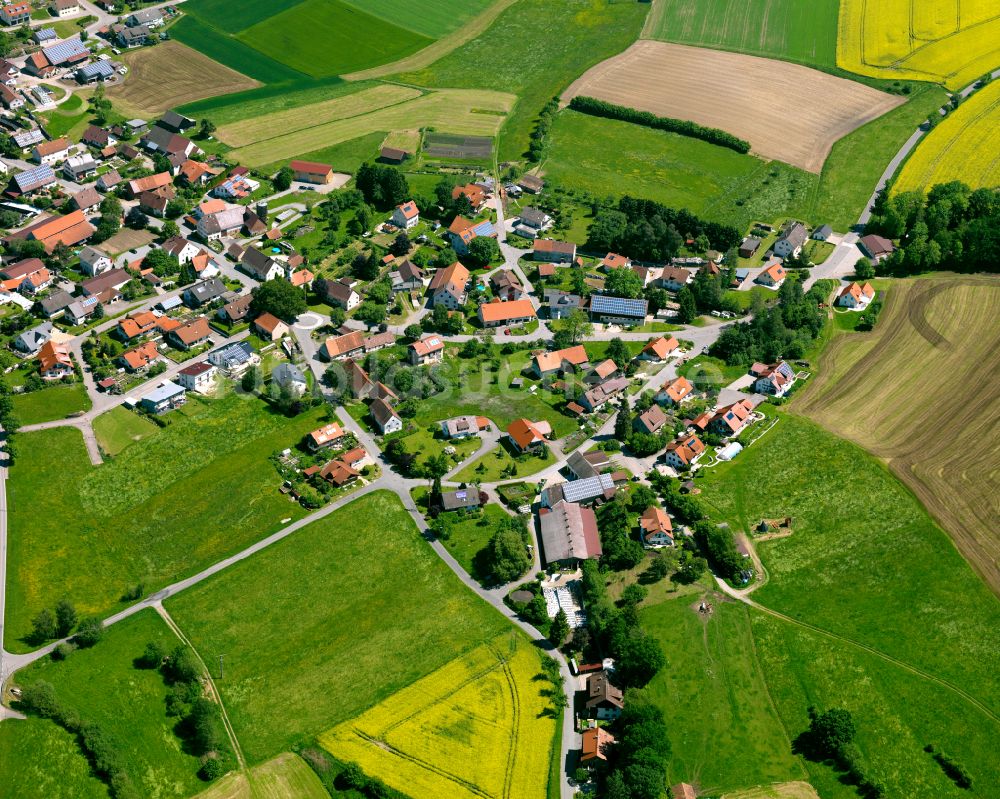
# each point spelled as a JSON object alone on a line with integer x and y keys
{"x": 922, "y": 391}
{"x": 787, "y": 112}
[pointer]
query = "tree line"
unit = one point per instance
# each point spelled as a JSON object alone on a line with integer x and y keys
{"x": 683, "y": 127}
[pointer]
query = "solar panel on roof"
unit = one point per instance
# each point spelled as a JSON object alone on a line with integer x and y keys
{"x": 97, "y": 69}
{"x": 65, "y": 50}
{"x": 588, "y": 488}
{"x": 603, "y": 303}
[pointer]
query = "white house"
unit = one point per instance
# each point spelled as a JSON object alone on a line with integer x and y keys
{"x": 94, "y": 261}
{"x": 775, "y": 379}
{"x": 856, "y": 297}
{"x": 789, "y": 244}
{"x": 288, "y": 376}
{"x": 406, "y": 216}
{"x": 181, "y": 248}
{"x": 198, "y": 377}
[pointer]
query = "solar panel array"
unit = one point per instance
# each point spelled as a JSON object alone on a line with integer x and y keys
{"x": 64, "y": 51}
{"x": 588, "y": 488}
{"x": 617, "y": 306}
{"x": 40, "y": 175}
{"x": 99, "y": 69}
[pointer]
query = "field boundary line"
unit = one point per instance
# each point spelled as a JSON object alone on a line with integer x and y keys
{"x": 653, "y": 19}
{"x": 233, "y": 740}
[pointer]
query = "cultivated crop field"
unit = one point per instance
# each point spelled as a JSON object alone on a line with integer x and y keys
{"x": 169, "y": 75}
{"x": 741, "y": 94}
{"x": 943, "y": 450}
{"x": 433, "y": 18}
{"x": 965, "y": 146}
{"x": 477, "y": 727}
{"x": 786, "y": 29}
{"x": 286, "y": 776}
{"x": 349, "y": 610}
{"x": 946, "y": 41}
{"x": 444, "y": 145}
{"x": 179, "y": 499}
{"x": 458, "y": 111}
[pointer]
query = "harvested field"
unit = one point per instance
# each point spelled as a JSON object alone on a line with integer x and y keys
{"x": 780, "y": 790}
{"x": 127, "y": 239}
{"x": 169, "y": 75}
{"x": 943, "y": 447}
{"x": 944, "y": 41}
{"x": 772, "y": 104}
{"x": 460, "y": 111}
{"x": 443, "y": 145}
{"x": 249, "y": 131}
{"x": 287, "y": 776}
{"x": 965, "y": 146}
{"x": 408, "y": 140}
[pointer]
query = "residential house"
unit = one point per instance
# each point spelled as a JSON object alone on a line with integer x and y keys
{"x": 311, "y": 172}
{"x": 270, "y": 327}
{"x": 447, "y": 287}
{"x": 568, "y": 534}
{"x": 651, "y": 421}
{"x": 261, "y": 267}
{"x": 130, "y": 36}
{"x": 552, "y": 251}
{"x": 236, "y": 188}
{"x": 31, "y": 180}
{"x": 597, "y": 397}
{"x": 674, "y": 278}
{"x": 597, "y": 489}
{"x": 52, "y": 152}
{"x": 385, "y": 418}
{"x": 204, "y": 292}
{"x": 407, "y": 277}
{"x": 659, "y": 349}
{"x": 615, "y": 261}
{"x": 32, "y": 284}
{"x": 822, "y": 233}
{"x": 531, "y": 184}
{"x": 288, "y": 377}
{"x": 774, "y": 379}
{"x": 560, "y": 361}
{"x": 475, "y": 194}
{"x": 464, "y": 426}
{"x": 674, "y": 392}
{"x": 148, "y": 183}
{"x": 790, "y": 242}
{"x": 406, "y": 216}
{"x": 82, "y": 310}
{"x": 108, "y": 180}
{"x": 324, "y": 437}
{"x": 562, "y": 303}
{"x": 514, "y": 312}
{"x": 876, "y": 247}
{"x": 115, "y": 279}
{"x": 684, "y": 452}
{"x": 196, "y": 173}
{"x": 532, "y": 222}
{"x": 139, "y": 324}
{"x": 54, "y": 361}
{"x": 16, "y": 13}
{"x": 350, "y": 345}
{"x": 855, "y": 296}
{"x": 56, "y": 304}
{"x": 655, "y": 528}
{"x": 584, "y": 465}
{"x": 462, "y": 499}
{"x": 506, "y": 286}
{"x": 88, "y": 200}
{"x": 94, "y": 261}
{"x": 596, "y": 742}
{"x": 10, "y": 99}
{"x": 749, "y": 246}
{"x": 161, "y": 139}
{"x": 65, "y": 8}
{"x": 731, "y": 419}
{"x": 152, "y": 17}
{"x": 31, "y": 341}
{"x": 213, "y": 226}
{"x": 235, "y": 311}
{"x": 180, "y": 248}
{"x": 339, "y": 292}
{"x": 528, "y": 436}
{"x": 193, "y": 334}
{"x": 154, "y": 203}
{"x": 98, "y": 138}
{"x": 426, "y": 350}
{"x": 337, "y": 472}
{"x": 198, "y": 377}
{"x": 604, "y": 700}
{"x": 463, "y": 231}
{"x": 234, "y": 359}
{"x": 618, "y": 310}
{"x": 602, "y": 371}
{"x": 167, "y": 396}
{"x": 772, "y": 277}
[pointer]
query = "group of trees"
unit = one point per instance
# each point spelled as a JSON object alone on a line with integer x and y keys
{"x": 536, "y": 146}
{"x": 784, "y": 330}
{"x": 830, "y": 737}
{"x": 56, "y": 623}
{"x": 110, "y": 221}
{"x": 951, "y": 227}
{"x": 280, "y": 298}
{"x": 684, "y": 127}
{"x": 506, "y": 556}
{"x": 8, "y": 421}
{"x": 637, "y": 763}
{"x": 719, "y": 546}
{"x": 381, "y": 186}
{"x": 648, "y": 231}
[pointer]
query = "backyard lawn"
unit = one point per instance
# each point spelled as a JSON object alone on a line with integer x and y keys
{"x": 318, "y": 603}
{"x": 499, "y": 459}
{"x": 51, "y": 403}
{"x": 165, "y": 506}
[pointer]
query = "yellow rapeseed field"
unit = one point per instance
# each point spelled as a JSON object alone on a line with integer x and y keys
{"x": 965, "y": 146}
{"x": 477, "y": 728}
{"x": 946, "y": 41}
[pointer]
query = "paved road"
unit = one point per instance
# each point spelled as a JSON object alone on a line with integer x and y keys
{"x": 840, "y": 264}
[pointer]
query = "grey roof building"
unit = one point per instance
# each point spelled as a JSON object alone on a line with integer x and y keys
{"x": 206, "y": 291}
{"x": 31, "y": 341}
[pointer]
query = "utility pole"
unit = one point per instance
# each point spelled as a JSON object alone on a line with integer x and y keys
{"x": 222, "y": 671}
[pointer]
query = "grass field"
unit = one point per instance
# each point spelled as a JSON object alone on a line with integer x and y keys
{"x": 943, "y": 41}
{"x": 317, "y": 604}
{"x": 119, "y": 428}
{"x": 943, "y": 450}
{"x": 351, "y": 40}
{"x": 865, "y": 561}
{"x": 785, "y": 29}
{"x": 39, "y": 760}
{"x": 457, "y": 110}
{"x": 219, "y": 13}
{"x": 536, "y": 48}
{"x": 431, "y": 18}
{"x": 104, "y": 686}
{"x": 779, "y": 790}
{"x": 50, "y": 403}
{"x": 67, "y": 117}
{"x": 736, "y": 92}
{"x": 469, "y": 536}
{"x": 499, "y": 459}
{"x": 346, "y": 156}
{"x": 162, "y": 508}
{"x": 477, "y": 727}
{"x": 965, "y": 146}
{"x": 287, "y": 776}
{"x": 725, "y": 731}
{"x": 170, "y": 75}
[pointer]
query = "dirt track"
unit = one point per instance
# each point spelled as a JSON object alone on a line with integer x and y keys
{"x": 922, "y": 391}
{"x": 787, "y": 112}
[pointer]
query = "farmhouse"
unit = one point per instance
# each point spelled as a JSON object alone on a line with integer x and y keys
{"x": 527, "y": 436}
{"x": 350, "y": 345}
{"x": 568, "y": 533}
{"x": 749, "y": 247}
{"x": 311, "y": 172}
{"x": 604, "y": 700}
{"x": 674, "y": 391}
{"x": 51, "y": 152}
{"x": 876, "y": 247}
{"x": 447, "y": 286}
{"x": 597, "y": 397}
{"x": 560, "y": 361}
{"x": 406, "y": 216}
{"x": 659, "y": 349}
{"x": 514, "y": 312}
{"x": 213, "y": 226}
{"x": 426, "y": 350}
{"x": 655, "y": 528}
{"x": 473, "y": 193}
{"x": 407, "y": 277}
{"x": 856, "y": 297}
{"x": 531, "y": 184}
{"x": 552, "y": 251}
{"x": 463, "y": 231}
{"x": 618, "y": 310}
{"x": 772, "y": 277}
{"x": 385, "y": 417}
{"x": 596, "y": 742}
{"x": 789, "y": 243}
{"x": 198, "y": 377}
{"x": 70, "y": 229}
{"x": 684, "y": 452}
{"x": 88, "y": 200}
{"x": 774, "y": 379}
{"x": 260, "y": 266}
